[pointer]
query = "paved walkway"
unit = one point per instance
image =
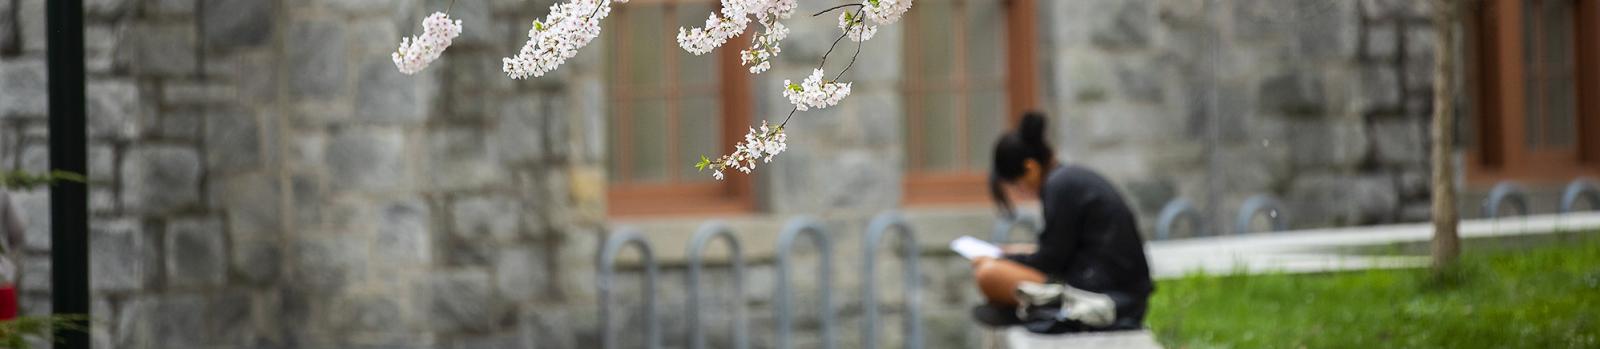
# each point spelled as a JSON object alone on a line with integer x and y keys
{"x": 1314, "y": 250}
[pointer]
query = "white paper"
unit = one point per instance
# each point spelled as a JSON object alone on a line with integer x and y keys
{"x": 972, "y": 248}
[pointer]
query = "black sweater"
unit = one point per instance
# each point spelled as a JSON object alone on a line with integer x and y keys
{"x": 1091, "y": 238}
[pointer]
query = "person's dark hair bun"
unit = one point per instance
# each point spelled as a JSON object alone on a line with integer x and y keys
{"x": 1032, "y": 128}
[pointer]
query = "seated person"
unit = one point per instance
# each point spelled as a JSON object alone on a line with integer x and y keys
{"x": 1090, "y": 252}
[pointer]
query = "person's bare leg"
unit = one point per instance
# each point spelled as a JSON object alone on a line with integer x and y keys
{"x": 998, "y": 279}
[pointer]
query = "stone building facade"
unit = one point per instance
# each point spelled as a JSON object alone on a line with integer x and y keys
{"x": 262, "y": 177}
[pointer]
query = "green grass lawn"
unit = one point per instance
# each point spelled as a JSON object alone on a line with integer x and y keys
{"x": 1541, "y": 297}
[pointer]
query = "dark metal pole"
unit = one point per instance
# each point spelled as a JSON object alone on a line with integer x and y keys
{"x": 69, "y": 201}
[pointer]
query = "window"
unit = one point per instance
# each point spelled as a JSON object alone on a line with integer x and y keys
{"x": 969, "y": 74}
{"x": 667, "y": 108}
{"x": 1536, "y": 82}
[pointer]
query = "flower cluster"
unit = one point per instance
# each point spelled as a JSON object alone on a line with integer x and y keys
{"x": 764, "y": 47}
{"x": 885, "y": 12}
{"x": 732, "y": 20}
{"x": 763, "y": 144}
{"x": 855, "y": 28}
{"x": 814, "y": 92}
{"x": 569, "y": 27}
{"x": 416, "y": 52}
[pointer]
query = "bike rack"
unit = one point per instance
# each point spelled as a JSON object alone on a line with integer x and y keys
{"x": 1170, "y": 214}
{"x": 1256, "y": 205}
{"x": 1003, "y": 227}
{"x": 869, "y": 281}
{"x": 697, "y": 244}
{"x": 1582, "y": 188}
{"x": 785, "y": 297}
{"x": 608, "y": 261}
{"x": 1506, "y": 190}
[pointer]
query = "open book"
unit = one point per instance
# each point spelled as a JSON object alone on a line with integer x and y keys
{"x": 972, "y": 248}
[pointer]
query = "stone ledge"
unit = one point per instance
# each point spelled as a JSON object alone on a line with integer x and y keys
{"x": 1018, "y": 338}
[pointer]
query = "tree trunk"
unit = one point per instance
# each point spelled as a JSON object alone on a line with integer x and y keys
{"x": 1446, "y": 242}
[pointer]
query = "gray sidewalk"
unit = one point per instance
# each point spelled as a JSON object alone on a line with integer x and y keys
{"x": 1314, "y": 250}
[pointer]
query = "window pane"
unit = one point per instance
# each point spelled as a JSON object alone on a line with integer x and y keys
{"x": 986, "y": 120}
{"x": 646, "y": 41}
{"x": 699, "y": 133}
{"x": 695, "y": 72}
{"x": 986, "y": 42}
{"x": 1560, "y": 82}
{"x": 1533, "y": 119}
{"x": 932, "y": 35}
{"x": 937, "y": 129}
{"x": 649, "y": 141}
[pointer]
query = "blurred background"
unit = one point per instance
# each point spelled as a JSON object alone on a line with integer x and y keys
{"x": 262, "y": 176}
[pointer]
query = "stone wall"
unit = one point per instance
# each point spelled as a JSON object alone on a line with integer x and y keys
{"x": 263, "y": 177}
{"x": 1321, "y": 103}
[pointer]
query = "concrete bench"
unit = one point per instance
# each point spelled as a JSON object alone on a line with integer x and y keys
{"x": 1018, "y": 338}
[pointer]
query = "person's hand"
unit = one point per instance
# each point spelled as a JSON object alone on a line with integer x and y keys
{"x": 1018, "y": 248}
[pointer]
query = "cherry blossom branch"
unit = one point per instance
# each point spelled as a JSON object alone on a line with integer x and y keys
{"x": 830, "y": 9}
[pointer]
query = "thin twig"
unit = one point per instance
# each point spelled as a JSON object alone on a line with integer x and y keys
{"x": 830, "y": 9}
{"x": 450, "y": 6}
{"x": 786, "y": 118}
{"x": 856, "y": 54}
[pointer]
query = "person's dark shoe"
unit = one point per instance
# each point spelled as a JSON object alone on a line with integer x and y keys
{"x": 994, "y": 316}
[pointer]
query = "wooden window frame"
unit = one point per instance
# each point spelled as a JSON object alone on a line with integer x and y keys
{"x": 733, "y": 195}
{"x": 1497, "y": 79}
{"x": 1021, "y": 83}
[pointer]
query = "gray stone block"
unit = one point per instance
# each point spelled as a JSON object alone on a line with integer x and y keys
{"x": 232, "y": 139}
{"x": 1293, "y": 94}
{"x": 105, "y": 8}
{"x": 187, "y": 321}
{"x": 125, "y": 258}
{"x": 1328, "y": 144}
{"x": 404, "y": 237}
{"x": 8, "y": 28}
{"x": 102, "y": 164}
{"x": 1379, "y": 90}
{"x": 180, "y": 126}
{"x": 322, "y": 266}
{"x": 518, "y": 135}
{"x": 24, "y": 88}
{"x": 461, "y": 301}
{"x": 160, "y": 178}
{"x": 252, "y": 204}
{"x": 31, "y": 24}
{"x": 1327, "y": 29}
{"x": 169, "y": 7}
{"x": 316, "y": 59}
{"x": 36, "y": 157}
{"x": 237, "y": 23}
{"x": 256, "y": 261}
{"x": 486, "y": 218}
{"x": 386, "y": 95}
{"x": 113, "y": 109}
{"x": 103, "y": 48}
{"x": 195, "y": 253}
{"x": 1339, "y": 200}
{"x": 1382, "y": 41}
{"x": 522, "y": 274}
{"x": 1128, "y": 28}
{"x": 164, "y": 49}
{"x": 1400, "y": 141}
{"x": 467, "y": 153}
{"x": 368, "y": 315}
{"x": 367, "y": 159}
{"x": 363, "y": 6}
{"x": 35, "y": 275}
{"x": 33, "y": 207}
